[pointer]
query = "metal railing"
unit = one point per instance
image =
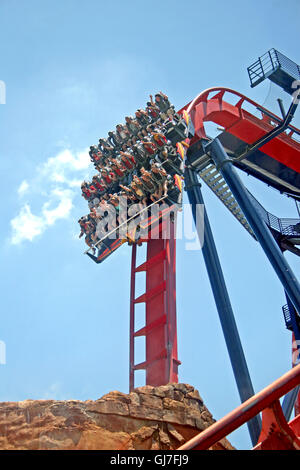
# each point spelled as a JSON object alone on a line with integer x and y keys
{"x": 287, "y": 227}
{"x": 260, "y": 69}
{"x": 268, "y": 63}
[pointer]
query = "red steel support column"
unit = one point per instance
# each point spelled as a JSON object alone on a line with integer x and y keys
{"x": 295, "y": 353}
{"x": 131, "y": 325}
{"x": 160, "y": 331}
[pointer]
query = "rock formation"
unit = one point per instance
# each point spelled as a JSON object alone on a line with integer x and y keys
{"x": 149, "y": 418}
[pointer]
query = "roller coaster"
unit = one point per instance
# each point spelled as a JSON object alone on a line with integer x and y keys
{"x": 255, "y": 141}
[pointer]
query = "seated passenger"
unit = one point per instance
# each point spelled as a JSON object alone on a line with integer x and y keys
{"x": 118, "y": 168}
{"x": 85, "y": 191}
{"x": 99, "y": 184}
{"x": 140, "y": 155}
{"x": 128, "y": 160}
{"x": 164, "y": 105}
{"x": 99, "y": 160}
{"x": 171, "y": 160}
{"x": 93, "y": 150}
{"x": 142, "y": 118}
{"x": 138, "y": 190}
{"x": 159, "y": 173}
{"x": 106, "y": 148}
{"x": 159, "y": 138}
{"x": 172, "y": 190}
{"x": 142, "y": 134}
{"x": 114, "y": 140}
{"x": 150, "y": 147}
{"x": 152, "y": 111}
{"x": 148, "y": 183}
{"x": 89, "y": 230}
{"x": 108, "y": 176}
{"x": 129, "y": 193}
{"x": 132, "y": 125}
{"x": 114, "y": 201}
{"x": 83, "y": 225}
{"x": 122, "y": 133}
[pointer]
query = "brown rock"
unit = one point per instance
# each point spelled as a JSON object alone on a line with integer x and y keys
{"x": 151, "y": 401}
{"x": 195, "y": 395}
{"x": 184, "y": 388}
{"x": 170, "y": 404}
{"x": 149, "y": 418}
{"x": 175, "y": 434}
{"x": 164, "y": 440}
{"x": 179, "y": 417}
{"x": 142, "y": 439}
{"x": 164, "y": 391}
{"x": 178, "y": 395}
{"x": 115, "y": 395}
{"x": 206, "y": 416}
{"x": 146, "y": 412}
{"x": 145, "y": 389}
{"x": 109, "y": 407}
{"x": 134, "y": 398}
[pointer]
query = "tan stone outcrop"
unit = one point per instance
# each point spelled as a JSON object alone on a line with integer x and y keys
{"x": 149, "y": 418}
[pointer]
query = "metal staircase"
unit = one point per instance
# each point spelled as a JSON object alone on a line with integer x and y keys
{"x": 215, "y": 181}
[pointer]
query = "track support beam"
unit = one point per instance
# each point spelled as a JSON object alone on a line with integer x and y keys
{"x": 160, "y": 331}
{"x": 217, "y": 281}
{"x": 259, "y": 227}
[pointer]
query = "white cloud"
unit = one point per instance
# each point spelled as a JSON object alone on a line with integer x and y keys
{"x": 62, "y": 210}
{"x": 26, "y": 226}
{"x": 55, "y": 184}
{"x": 58, "y": 168}
{"x": 23, "y": 188}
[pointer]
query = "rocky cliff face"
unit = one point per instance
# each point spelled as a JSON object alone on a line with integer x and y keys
{"x": 149, "y": 418}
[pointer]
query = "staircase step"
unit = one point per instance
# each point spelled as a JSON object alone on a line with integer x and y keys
{"x": 215, "y": 181}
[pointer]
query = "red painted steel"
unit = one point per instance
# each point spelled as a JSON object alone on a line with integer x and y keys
{"x": 160, "y": 331}
{"x": 295, "y": 354}
{"x": 210, "y": 106}
{"x": 246, "y": 411}
{"x": 131, "y": 319}
{"x": 276, "y": 434}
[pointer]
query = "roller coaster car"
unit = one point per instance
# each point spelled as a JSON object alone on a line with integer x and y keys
{"x": 181, "y": 131}
{"x": 150, "y": 223}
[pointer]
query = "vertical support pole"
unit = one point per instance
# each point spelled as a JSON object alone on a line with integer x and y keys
{"x": 290, "y": 400}
{"x": 222, "y": 300}
{"x": 296, "y": 357}
{"x": 259, "y": 227}
{"x": 132, "y": 319}
{"x": 172, "y": 352}
{"x": 161, "y": 337}
{"x": 160, "y": 330}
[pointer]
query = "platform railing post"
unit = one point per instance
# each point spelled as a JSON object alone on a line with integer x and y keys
{"x": 222, "y": 300}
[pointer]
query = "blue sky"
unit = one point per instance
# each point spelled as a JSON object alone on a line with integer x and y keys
{"x": 73, "y": 70}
